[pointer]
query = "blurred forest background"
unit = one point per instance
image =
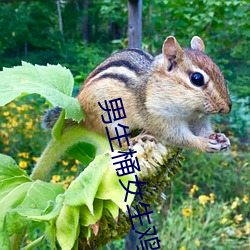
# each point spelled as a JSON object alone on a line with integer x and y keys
{"x": 208, "y": 204}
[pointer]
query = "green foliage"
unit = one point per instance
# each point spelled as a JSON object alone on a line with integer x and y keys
{"x": 204, "y": 223}
{"x": 30, "y": 32}
{"x": 24, "y": 200}
{"x": 53, "y": 82}
{"x": 19, "y": 198}
{"x": 223, "y": 25}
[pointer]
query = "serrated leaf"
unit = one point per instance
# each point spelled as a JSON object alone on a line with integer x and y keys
{"x": 83, "y": 189}
{"x": 39, "y": 194}
{"x": 111, "y": 189}
{"x": 14, "y": 198}
{"x": 67, "y": 226}
{"x": 86, "y": 218}
{"x": 9, "y": 168}
{"x": 83, "y": 152}
{"x": 53, "y": 82}
{"x": 9, "y": 184}
{"x": 19, "y": 197}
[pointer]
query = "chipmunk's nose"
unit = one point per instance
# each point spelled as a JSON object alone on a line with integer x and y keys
{"x": 227, "y": 108}
{"x": 230, "y": 106}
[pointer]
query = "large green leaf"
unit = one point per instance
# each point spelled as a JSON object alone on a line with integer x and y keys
{"x": 22, "y": 200}
{"x": 53, "y": 82}
{"x": 6, "y": 186}
{"x": 83, "y": 152}
{"x": 9, "y": 168}
{"x": 39, "y": 194}
{"x": 67, "y": 226}
{"x": 99, "y": 180}
{"x": 111, "y": 189}
{"x": 83, "y": 189}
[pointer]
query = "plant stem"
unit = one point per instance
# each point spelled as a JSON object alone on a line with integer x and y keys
{"x": 57, "y": 147}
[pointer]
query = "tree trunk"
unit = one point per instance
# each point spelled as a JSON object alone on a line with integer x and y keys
{"x": 135, "y": 23}
{"x": 59, "y": 16}
{"x": 85, "y": 20}
{"x": 131, "y": 240}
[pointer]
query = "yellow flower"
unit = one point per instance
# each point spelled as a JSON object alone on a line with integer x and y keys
{"x": 73, "y": 168}
{"x": 4, "y": 134}
{"x": 6, "y": 113}
{"x": 211, "y": 195}
{"x": 235, "y": 203}
{"x": 203, "y": 199}
{"x": 35, "y": 159}
{"x": 193, "y": 190}
{"x": 6, "y": 149}
{"x": 65, "y": 163}
{"x": 23, "y": 164}
{"x": 187, "y": 211}
{"x": 245, "y": 199}
{"x": 238, "y": 218}
{"x": 77, "y": 162}
{"x": 6, "y": 141}
{"x": 247, "y": 227}
{"x": 238, "y": 233}
{"x": 65, "y": 185}
{"x": 183, "y": 248}
{"x": 224, "y": 164}
{"x": 197, "y": 242}
{"x": 29, "y": 124}
{"x": 14, "y": 123}
{"x": 234, "y": 152}
{"x": 223, "y": 220}
{"x": 24, "y": 154}
{"x": 55, "y": 178}
{"x": 70, "y": 178}
{"x": 12, "y": 105}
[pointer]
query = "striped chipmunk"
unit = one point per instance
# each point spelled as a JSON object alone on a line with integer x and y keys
{"x": 169, "y": 97}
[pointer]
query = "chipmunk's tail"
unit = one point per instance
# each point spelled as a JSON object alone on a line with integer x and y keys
{"x": 50, "y": 117}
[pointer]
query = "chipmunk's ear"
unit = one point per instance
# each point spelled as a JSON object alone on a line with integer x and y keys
{"x": 197, "y": 43}
{"x": 171, "y": 49}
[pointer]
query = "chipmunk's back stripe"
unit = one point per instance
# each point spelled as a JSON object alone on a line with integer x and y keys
{"x": 118, "y": 77}
{"x": 142, "y": 53}
{"x": 118, "y": 63}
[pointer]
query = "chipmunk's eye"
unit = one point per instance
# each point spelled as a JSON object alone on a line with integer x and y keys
{"x": 197, "y": 79}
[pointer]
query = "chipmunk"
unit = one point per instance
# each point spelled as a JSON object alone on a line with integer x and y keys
{"x": 169, "y": 97}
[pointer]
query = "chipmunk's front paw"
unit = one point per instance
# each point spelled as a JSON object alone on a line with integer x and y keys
{"x": 218, "y": 142}
{"x": 141, "y": 138}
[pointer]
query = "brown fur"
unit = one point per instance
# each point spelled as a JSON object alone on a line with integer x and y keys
{"x": 157, "y": 94}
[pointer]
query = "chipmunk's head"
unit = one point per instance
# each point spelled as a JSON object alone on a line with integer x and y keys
{"x": 197, "y": 74}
